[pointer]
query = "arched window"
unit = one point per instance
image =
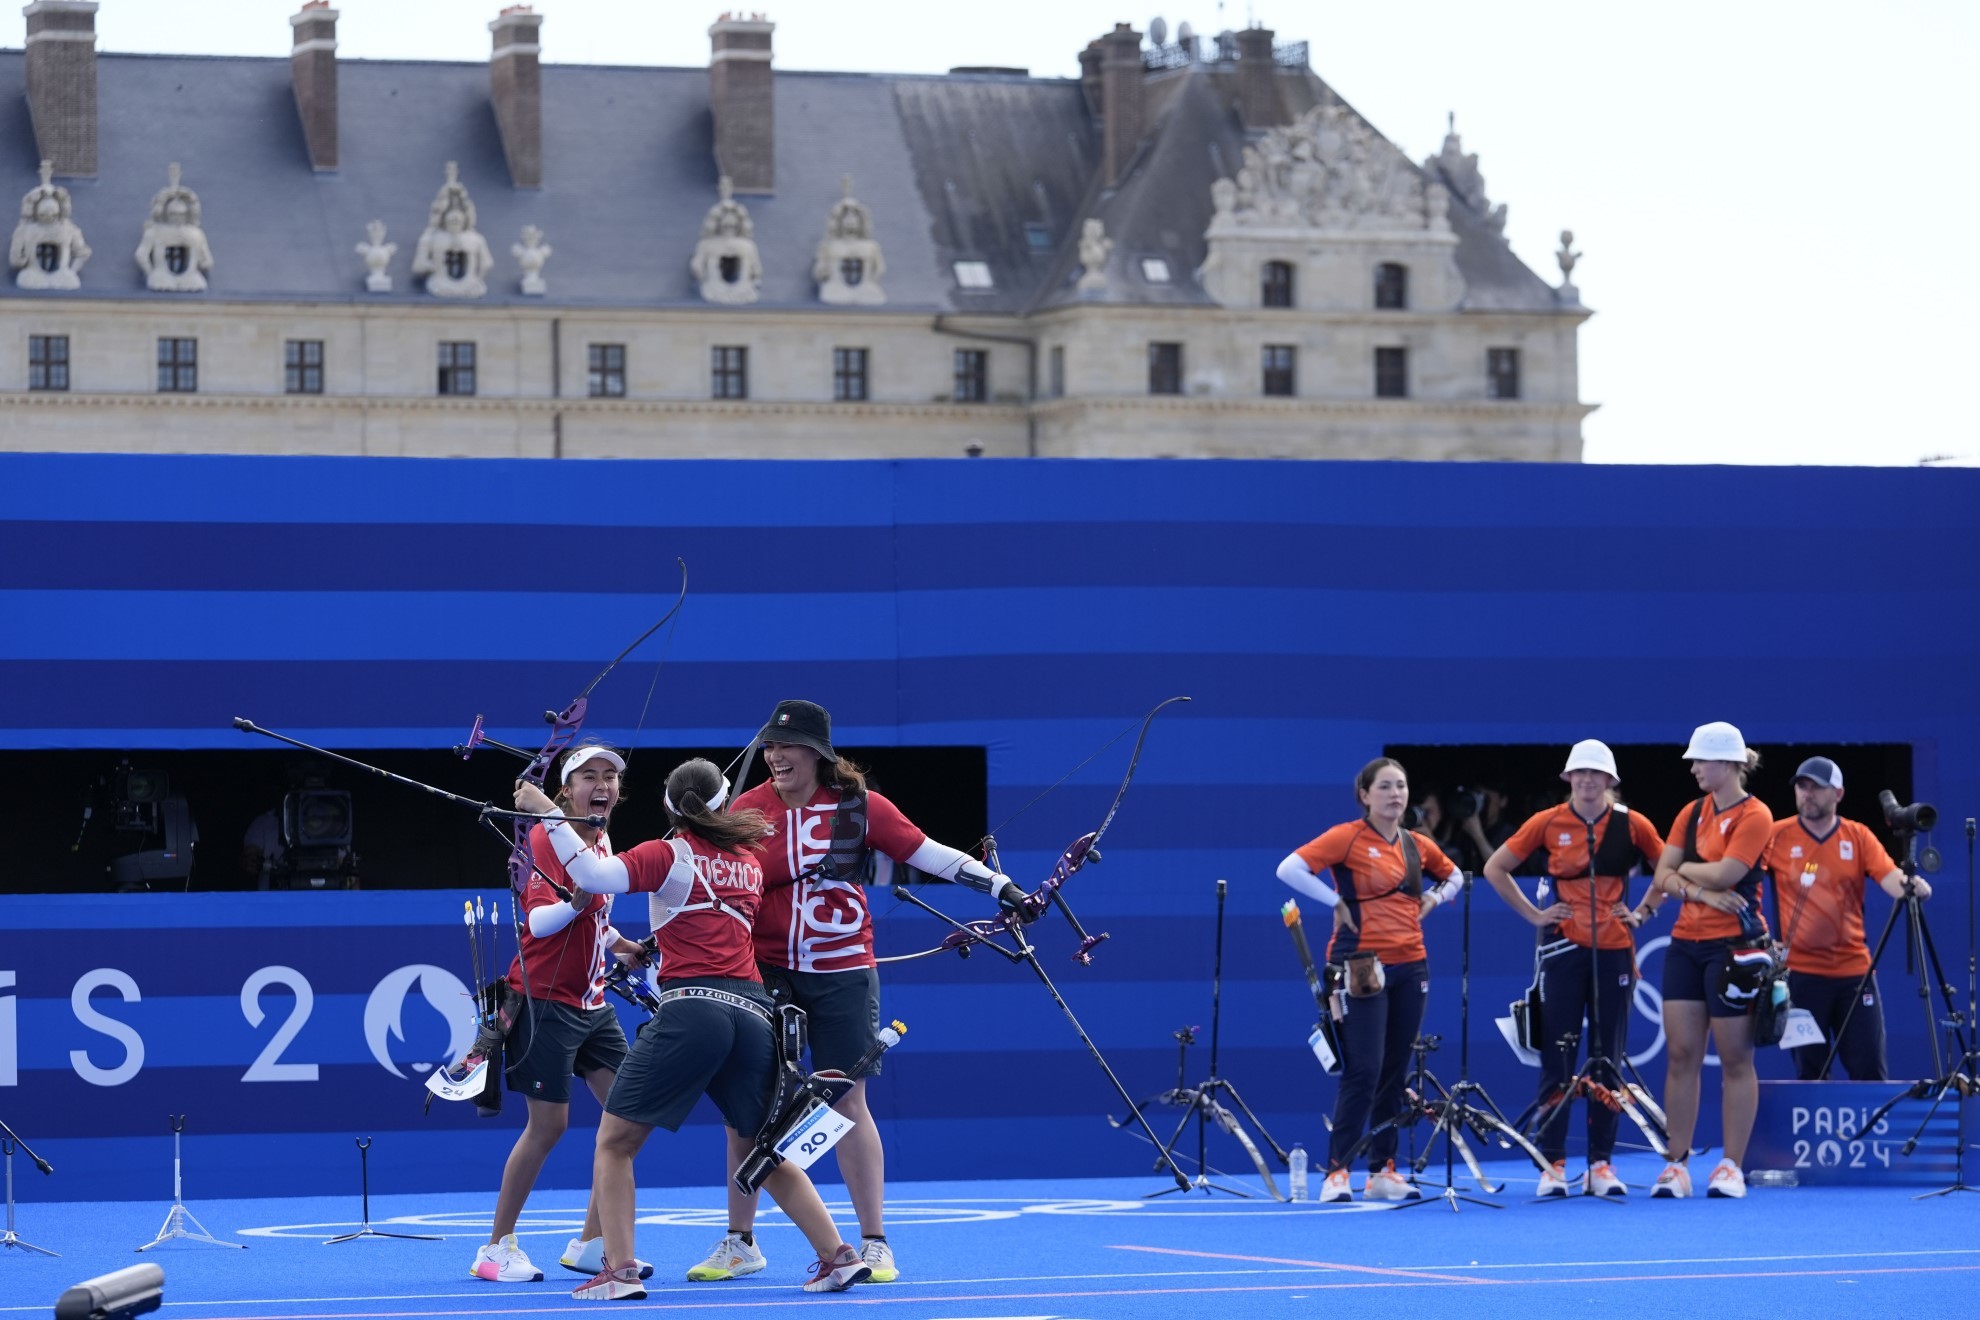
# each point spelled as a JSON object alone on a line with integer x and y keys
{"x": 1275, "y": 284}
{"x": 1392, "y": 286}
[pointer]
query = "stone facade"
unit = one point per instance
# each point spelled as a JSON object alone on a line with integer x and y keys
{"x": 1112, "y": 330}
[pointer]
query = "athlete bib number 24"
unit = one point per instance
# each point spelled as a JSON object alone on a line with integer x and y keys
{"x": 814, "y": 1134}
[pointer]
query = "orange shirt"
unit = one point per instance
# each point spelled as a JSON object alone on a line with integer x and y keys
{"x": 1564, "y": 835}
{"x": 1740, "y": 832}
{"x": 1390, "y": 920}
{"x": 1819, "y": 882}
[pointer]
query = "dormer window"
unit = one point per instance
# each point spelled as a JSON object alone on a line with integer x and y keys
{"x": 731, "y": 269}
{"x": 1155, "y": 270}
{"x": 48, "y": 256}
{"x": 852, "y": 270}
{"x": 1275, "y": 284}
{"x": 175, "y": 258}
{"x": 457, "y": 264}
{"x": 974, "y": 275}
{"x": 1392, "y": 286}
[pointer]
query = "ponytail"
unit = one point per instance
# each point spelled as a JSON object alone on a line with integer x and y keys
{"x": 695, "y": 792}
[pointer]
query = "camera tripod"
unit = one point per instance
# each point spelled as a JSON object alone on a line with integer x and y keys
{"x": 1965, "y": 1076}
{"x": 7, "y": 1143}
{"x": 1201, "y": 1100}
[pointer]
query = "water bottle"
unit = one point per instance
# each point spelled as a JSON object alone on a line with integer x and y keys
{"x": 1297, "y": 1161}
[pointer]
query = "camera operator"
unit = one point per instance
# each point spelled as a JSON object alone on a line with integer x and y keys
{"x": 1820, "y": 863}
{"x": 1590, "y": 915}
{"x": 1469, "y": 824}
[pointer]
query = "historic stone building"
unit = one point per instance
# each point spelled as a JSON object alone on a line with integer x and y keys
{"x": 1195, "y": 248}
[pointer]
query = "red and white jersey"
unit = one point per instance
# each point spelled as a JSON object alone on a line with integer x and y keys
{"x": 818, "y": 925}
{"x": 569, "y": 966}
{"x": 708, "y": 933}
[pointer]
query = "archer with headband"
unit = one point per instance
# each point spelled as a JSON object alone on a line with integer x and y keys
{"x": 714, "y": 1033}
{"x": 562, "y": 1025}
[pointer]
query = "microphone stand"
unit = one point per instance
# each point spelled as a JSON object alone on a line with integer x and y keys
{"x": 7, "y": 1143}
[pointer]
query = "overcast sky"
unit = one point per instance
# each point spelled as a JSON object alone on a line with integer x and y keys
{"x": 1776, "y": 228}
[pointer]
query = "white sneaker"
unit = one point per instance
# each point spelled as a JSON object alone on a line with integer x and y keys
{"x": 731, "y": 1258}
{"x": 879, "y": 1258}
{"x": 587, "y": 1257}
{"x": 1336, "y": 1188}
{"x": 1554, "y": 1182}
{"x": 1726, "y": 1180}
{"x": 1602, "y": 1180}
{"x": 1385, "y": 1184}
{"x": 1674, "y": 1183}
{"x": 846, "y": 1268}
{"x": 504, "y": 1262}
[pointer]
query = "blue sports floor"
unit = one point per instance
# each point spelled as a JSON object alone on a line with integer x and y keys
{"x": 1093, "y": 1249}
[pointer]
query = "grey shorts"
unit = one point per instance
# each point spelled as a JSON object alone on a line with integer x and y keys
{"x": 841, "y": 1009}
{"x": 697, "y": 1047}
{"x": 551, "y": 1042}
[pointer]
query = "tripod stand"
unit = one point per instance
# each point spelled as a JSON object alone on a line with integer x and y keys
{"x": 365, "y": 1229}
{"x": 1201, "y": 1099}
{"x": 1962, "y": 1079}
{"x": 1923, "y": 957}
{"x": 1459, "y": 1111}
{"x": 178, "y": 1216}
{"x": 7, "y": 1143}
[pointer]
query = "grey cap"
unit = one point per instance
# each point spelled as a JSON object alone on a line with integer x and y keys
{"x": 1822, "y": 770}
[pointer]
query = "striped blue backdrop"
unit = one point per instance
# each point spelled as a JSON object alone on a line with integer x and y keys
{"x": 1315, "y": 612}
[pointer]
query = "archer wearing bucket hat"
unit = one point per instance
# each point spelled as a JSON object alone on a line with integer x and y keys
{"x": 1821, "y": 865}
{"x": 1592, "y": 844}
{"x": 1711, "y": 864}
{"x": 814, "y": 942}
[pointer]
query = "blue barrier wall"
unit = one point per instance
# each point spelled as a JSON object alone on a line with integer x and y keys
{"x": 1315, "y": 612}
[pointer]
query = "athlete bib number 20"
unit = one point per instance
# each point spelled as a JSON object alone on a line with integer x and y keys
{"x": 817, "y": 1132}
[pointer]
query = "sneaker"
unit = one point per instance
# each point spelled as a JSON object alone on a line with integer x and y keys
{"x": 1673, "y": 1183}
{"x": 587, "y": 1257}
{"x": 504, "y": 1262}
{"x": 879, "y": 1258}
{"x": 1336, "y": 1187}
{"x": 1602, "y": 1180}
{"x": 731, "y": 1258}
{"x": 1554, "y": 1182}
{"x": 841, "y": 1272}
{"x": 1385, "y": 1184}
{"x": 620, "y": 1285}
{"x": 1726, "y": 1180}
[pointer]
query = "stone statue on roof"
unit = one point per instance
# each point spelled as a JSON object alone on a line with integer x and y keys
{"x": 725, "y": 260}
{"x": 1329, "y": 170}
{"x": 1458, "y": 171}
{"x": 1567, "y": 258}
{"x": 452, "y": 256}
{"x": 377, "y": 254}
{"x": 173, "y": 253}
{"x": 530, "y": 254}
{"x": 48, "y": 248}
{"x": 848, "y": 264}
{"x": 1094, "y": 249}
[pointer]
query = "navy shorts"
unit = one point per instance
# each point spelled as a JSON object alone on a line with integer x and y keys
{"x": 550, "y": 1043}
{"x": 841, "y": 1011}
{"x": 697, "y": 1047}
{"x": 1691, "y": 971}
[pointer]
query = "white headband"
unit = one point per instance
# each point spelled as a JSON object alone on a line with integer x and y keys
{"x": 714, "y": 803}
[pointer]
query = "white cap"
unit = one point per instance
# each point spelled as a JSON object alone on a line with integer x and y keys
{"x": 576, "y": 760}
{"x": 1591, "y": 754}
{"x": 1717, "y": 741}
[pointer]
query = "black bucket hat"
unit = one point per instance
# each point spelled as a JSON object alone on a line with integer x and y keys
{"x": 805, "y": 723}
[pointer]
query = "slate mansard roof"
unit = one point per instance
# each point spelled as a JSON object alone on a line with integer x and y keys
{"x": 998, "y": 168}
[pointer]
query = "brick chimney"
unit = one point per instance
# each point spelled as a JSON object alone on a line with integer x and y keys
{"x": 313, "y": 70}
{"x": 1089, "y": 75}
{"x": 61, "y": 82}
{"x": 515, "y": 84}
{"x": 740, "y": 92}
{"x": 1120, "y": 99}
{"x": 1258, "y": 80}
